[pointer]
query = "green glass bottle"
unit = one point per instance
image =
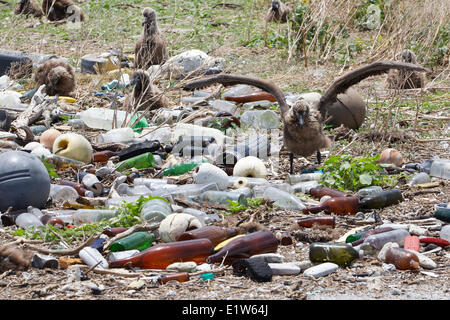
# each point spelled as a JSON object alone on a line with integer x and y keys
{"x": 442, "y": 214}
{"x": 137, "y": 240}
{"x": 354, "y": 237}
{"x": 141, "y": 161}
{"x": 343, "y": 254}
{"x": 181, "y": 168}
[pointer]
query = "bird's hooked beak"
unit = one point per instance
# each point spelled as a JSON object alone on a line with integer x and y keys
{"x": 275, "y": 5}
{"x": 301, "y": 118}
{"x": 134, "y": 80}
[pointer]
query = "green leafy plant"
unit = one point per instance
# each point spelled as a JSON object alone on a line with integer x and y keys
{"x": 351, "y": 173}
{"x": 50, "y": 168}
{"x": 235, "y": 206}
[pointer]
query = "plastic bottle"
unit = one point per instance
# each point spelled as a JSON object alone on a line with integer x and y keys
{"x": 402, "y": 259}
{"x": 27, "y": 219}
{"x": 155, "y": 210}
{"x": 442, "y": 214}
{"x": 369, "y": 191}
{"x": 440, "y": 168}
{"x": 419, "y": 178}
{"x": 142, "y": 161}
{"x": 214, "y": 233}
{"x": 259, "y": 190}
{"x": 251, "y": 181}
{"x": 149, "y": 182}
{"x": 103, "y": 156}
{"x": 180, "y": 277}
{"x": 245, "y": 247}
{"x": 221, "y": 198}
{"x": 92, "y": 257}
{"x": 338, "y": 205}
{"x": 119, "y": 135}
{"x": 305, "y": 187}
{"x": 381, "y": 200}
{"x": 342, "y": 254}
{"x": 137, "y": 240}
{"x": 260, "y": 119}
{"x": 283, "y": 199}
{"x": 202, "y": 216}
{"x": 62, "y": 193}
{"x": 369, "y": 233}
{"x": 113, "y": 256}
{"x": 377, "y": 241}
{"x": 309, "y": 222}
{"x": 296, "y": 178}
{"x": 255, "y": 145}
{"x": 164, "y": 254}
{"x": 181, "y": 168}
{"x": 92, "y": 215}
{"x": 125, "y": 189}
{"x": 102, "y": 118}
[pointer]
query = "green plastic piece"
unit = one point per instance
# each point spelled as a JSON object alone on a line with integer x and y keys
{"x": 142, "y": 123}
{"x": 354, "y": 237}
{"x": 207, "y": 276}
{"x": 442, "y": 214}
{"x": 181, "y": 168}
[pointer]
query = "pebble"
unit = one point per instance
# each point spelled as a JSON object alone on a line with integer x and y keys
{"x": 182, "y": 266}
{"x": 270, "y": 257}
{"x": 284, "y": 268}
{"x": 321, "y": 270}
{"x": 136, "y": 285}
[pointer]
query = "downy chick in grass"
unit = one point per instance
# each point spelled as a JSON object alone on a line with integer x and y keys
{"x": 28, "y": 7}
{"x": 57, "y": 75}
{"x": 151, "y": 48}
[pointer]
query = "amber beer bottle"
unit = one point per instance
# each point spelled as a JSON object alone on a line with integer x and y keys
{"x": 214, "y": 233}
{"x": 180, "y": 277}
{"x": 245, "y": 247}
{"x": 338, "y": 205}
{"x": 381, "y": 200}
{"x": 402, "y": 259}
{"x": 103, "y": 156}
{"x": 319, "y": 192}
{"x": 164, "y": 254}
{"x": 309, "y": 222}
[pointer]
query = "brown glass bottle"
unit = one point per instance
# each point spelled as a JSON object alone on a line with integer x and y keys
{"x": 309, "y": 222}
{"x": 180, "y": 277}
{"x": 245, "y": 247}
{"x": 103, "y": 156}
{"x": 81, "y": 189}
{"x": 164, "y": 254}
{"x": 49, "y": 219}
{"x": 286, "y": 239}
{"x": 319, "y": 192}
{"x": 214, "y": 233}
{"x": 338, "y": 205}
{"x": 112, "y": 232}
{"x": 402, "y": 259}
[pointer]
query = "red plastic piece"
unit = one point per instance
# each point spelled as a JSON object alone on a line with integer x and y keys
{"x": 437, "y": 241}
{"x": 412, "y": 243}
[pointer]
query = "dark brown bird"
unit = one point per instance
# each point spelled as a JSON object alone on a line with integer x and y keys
{"x": 57, "y": 10}
{"x": 145, "y": 95}
{"x": 28, "y": 7}
{"x": 302, "y": 123}
{"x": 57, "y": 75}
{"x": 405, "y": 79}
{"x": 151, "y": 48}
{"x": 278, "y": 12}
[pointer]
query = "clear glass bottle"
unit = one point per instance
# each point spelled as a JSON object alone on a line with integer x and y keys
{"x": 440, "y": 168}
{"x": 283, "y": 199}
{"x": 92, "y": 215}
